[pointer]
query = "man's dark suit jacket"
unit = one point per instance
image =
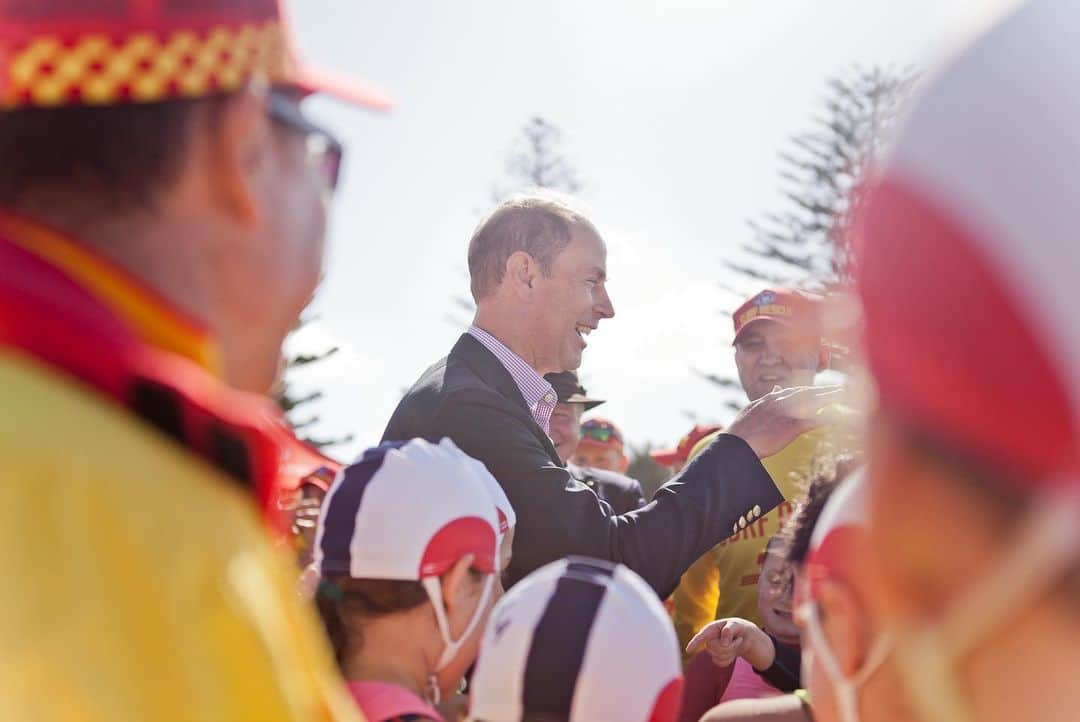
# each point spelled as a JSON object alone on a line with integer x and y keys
{"x": 621, "y": 492}
{"x": 470, "y": 397}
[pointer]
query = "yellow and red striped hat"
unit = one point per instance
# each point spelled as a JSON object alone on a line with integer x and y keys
{"x": 75, "y": 52}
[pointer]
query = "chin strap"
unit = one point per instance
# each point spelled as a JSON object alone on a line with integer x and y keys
{"x": 433, "y": 586}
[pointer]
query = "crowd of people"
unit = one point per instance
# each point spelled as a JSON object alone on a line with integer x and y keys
{"x": 901, "y": 546}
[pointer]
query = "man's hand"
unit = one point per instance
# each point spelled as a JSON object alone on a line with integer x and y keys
{"x": 727, "y": 639}
{"x": 777, "y": 418}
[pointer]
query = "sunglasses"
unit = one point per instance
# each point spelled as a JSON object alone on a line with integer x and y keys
{"x": 598, "y": 432}
{"x": 325, "y": 152}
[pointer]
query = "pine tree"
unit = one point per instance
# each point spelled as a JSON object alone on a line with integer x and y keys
{"x": 536, "y": 160}
{"x": 807, "y": 244}
{"x": 645, "y": 469}
{"x": 290, "y": 401}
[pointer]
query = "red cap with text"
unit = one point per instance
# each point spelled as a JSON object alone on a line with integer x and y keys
{"x": 794, "y": 308}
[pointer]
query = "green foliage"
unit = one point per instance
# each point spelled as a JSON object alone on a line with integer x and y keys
{"x": 290, "y": 401}
{"x": 642, "y": 467}
{"x": 807, "y": 243}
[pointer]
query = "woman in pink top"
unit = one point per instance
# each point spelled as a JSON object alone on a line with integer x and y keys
{"x": 411, "y": 542}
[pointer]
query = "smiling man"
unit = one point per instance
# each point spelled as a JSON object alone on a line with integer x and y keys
{"x": 778, "y": 342}
{"x": 538, "y": 275}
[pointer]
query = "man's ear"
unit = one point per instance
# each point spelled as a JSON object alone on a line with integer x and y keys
{"x": 236, "y": 154}
{"x": 845, "y": 625}
{"x": 521, "y": 272}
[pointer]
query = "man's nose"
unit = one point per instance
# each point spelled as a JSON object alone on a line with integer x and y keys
{"x": 605, "y": 308}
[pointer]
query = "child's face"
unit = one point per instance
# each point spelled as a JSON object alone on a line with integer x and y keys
{"x": 774, "y": 600}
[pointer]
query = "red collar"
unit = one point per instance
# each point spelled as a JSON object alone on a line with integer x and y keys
{"x": 81, "y": 315}
{"x": 148, "y": 315}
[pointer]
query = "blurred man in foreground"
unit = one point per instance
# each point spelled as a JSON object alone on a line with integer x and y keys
{"x": 162, "y": 211}
{"x": 621, "y": 492}
{"x": 967, "y": 269}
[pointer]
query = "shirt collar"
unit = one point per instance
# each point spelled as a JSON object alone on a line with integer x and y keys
{"x": 153, "y": 319}
{"x": 534, "y": 387}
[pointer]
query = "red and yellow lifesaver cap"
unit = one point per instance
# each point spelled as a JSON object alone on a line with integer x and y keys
{"x": 76, "y": 52}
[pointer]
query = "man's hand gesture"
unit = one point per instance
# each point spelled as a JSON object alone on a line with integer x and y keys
{"x": 777, "y": 418}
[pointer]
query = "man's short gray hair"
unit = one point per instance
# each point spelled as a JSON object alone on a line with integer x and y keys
{"x": 538, "y": 223}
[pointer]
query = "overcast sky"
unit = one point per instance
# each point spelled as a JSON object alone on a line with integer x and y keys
{"x": 674, "y": 112}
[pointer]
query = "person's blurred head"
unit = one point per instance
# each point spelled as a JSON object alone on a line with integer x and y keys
{"x": 601, "y": 446}
{"x": 245, "y": 190}
{"x": 786, "y": 551}
{"x": 777, "y": 341}
{"x": 565, "y": 423}
{"x": 578, "y": 640}
{"x": 538, "y": 273}
{"x": 966, "y": 268}
{"x": 676, "y": 458}
{"x": 565, "y": 428}
{"x": 209, "y": 185}
{"x": 846, "y": 651}
{"x": 411, "y": 543}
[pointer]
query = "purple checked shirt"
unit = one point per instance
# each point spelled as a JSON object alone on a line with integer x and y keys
{"x": 538, "y": 393}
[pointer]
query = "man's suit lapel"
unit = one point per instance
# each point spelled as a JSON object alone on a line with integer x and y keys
{"x": 490, "y": 369}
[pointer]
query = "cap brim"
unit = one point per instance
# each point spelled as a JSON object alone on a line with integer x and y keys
{"x": 751, "y": 322}
{"x": 577, "y": 398}
{"x": 666, "y": 457}
{"x": 352, "y": 91}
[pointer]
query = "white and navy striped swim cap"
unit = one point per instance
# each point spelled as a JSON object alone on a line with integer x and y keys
{"x": 580, "y": 640}
{"x": 408, "y": 511}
